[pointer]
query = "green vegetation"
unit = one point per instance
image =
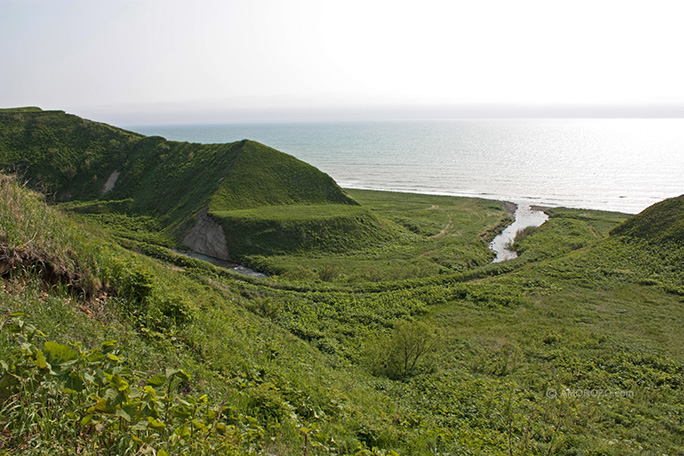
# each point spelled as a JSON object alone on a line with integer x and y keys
{"x": 24, "y": 109}
{"x": 663, "y": 222}
{"x": 391, "y": 333}
{"x": 110, "y": 170}
{"x": 262, "y": 176}
{"x": 276, "y": 230}
{"x": 422, "y": 236}
{"x": 277, "y": 213}
{"x": 565, "y": 231}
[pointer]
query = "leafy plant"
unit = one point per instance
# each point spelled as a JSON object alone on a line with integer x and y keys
{"x": 66, "y": 399}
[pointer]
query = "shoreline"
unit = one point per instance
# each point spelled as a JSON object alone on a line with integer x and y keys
{"x": 542, "y": 207}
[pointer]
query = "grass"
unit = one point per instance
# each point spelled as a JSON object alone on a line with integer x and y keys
{"x": 289, "y": 229}
{"x": 565, "y": 231}
{"x": 72, "y": 160}
{"x": 432, "y": 235}
{"x": 663, "y": 222}
{"x": 598, "y": 320}
{"x": 573, "y": 348}
{"x": 262, "y": 176}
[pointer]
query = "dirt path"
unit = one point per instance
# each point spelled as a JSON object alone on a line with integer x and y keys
{"x": 445, "y": 229}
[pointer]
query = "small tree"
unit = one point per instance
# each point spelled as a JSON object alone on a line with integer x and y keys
{"x": 406, "y": 351}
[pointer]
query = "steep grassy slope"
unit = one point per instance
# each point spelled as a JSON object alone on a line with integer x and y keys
{"x": 61, "y": 154}
{"x": 577, "y": 354}
{"x": 262, "y": 176}
{"x": 271, "y": 203}
{"x": 264, "y": 386}
{"x": 114, "y": 170}
{"x": 73, "y": 159}
{"x": 662, "y": 222}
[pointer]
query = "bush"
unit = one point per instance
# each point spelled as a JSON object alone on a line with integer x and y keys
{"x": 405, "y": 352}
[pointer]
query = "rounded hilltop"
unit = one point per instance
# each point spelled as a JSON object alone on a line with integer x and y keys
{"x": 662, "y": 222}
{"x": 188, "y": 188}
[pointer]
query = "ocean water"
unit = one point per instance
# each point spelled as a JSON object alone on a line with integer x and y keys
{"x": 609, "y": 164}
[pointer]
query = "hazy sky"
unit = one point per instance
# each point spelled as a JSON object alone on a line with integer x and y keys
{"x": 201, "y": 60}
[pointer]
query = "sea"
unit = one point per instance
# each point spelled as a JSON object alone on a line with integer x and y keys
{"x": 620, "y": 165}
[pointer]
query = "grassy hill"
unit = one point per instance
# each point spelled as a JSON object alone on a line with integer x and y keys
{"x": 112, "y": 170}
{"x": 662, "y": 222}
{"x": 575, "y": 354}
{"x": 385, "y": 330}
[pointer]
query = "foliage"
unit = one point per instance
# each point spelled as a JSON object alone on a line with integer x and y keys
{"x": 405, "y": 352}
{"x": 261, "y": 176}
{"x": 565, "y": 231}
{"x": 65, "y": 399}
{"x": 573, "y": 348}
{"x": 287, "y": 229}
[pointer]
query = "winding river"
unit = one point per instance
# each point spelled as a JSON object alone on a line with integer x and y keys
{"x": 525, "y": 216}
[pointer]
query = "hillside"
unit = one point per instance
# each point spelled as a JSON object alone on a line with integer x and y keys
{"x": 384, "y": 328}
{"x": 578, "y": 354}
{"x": 181, "y": 185}
{"x": 662, "y": 222}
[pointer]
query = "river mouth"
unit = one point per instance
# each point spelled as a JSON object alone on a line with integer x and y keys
{"x": 525, "y": 216}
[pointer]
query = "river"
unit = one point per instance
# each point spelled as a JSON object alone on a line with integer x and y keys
{"x": 525, "y": 216}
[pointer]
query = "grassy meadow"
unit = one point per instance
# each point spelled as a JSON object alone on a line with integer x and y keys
{"x": 384, "y": 328}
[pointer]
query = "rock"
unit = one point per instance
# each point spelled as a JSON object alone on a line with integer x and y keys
{"x": 207, "y": 237}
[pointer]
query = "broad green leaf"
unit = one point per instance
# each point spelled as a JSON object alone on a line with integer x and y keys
{"x": 198, "y": 424}
{"x": 108, "y": 344}
{"x": 86, "y": 419}
{"x": 149, "y": 390}
{"x": 101, "y": 406}
{"x": 140, "y": 425}
{"x": 74, "y": 382}
{"x": 155, "y": 424}
{"x": 40, "y": 360}
{"x": 114, "y": 358}
{"x": 157, "y": 380}
{"x": 182, "y": 431}
{"x": 135, "y": 393}
{"x": 182, "y": 412}
{"x": 123, "y": 414}
{"x": 183, "y": 375}
{"x": 119, "y": 383}
{"x": 59, "y": 354}
{"x": 170, "y": 372}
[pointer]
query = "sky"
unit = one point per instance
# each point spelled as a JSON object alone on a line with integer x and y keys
{"x": 167, "y": 61}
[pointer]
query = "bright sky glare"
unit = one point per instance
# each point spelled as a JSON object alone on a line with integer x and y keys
{"x": 264, "y": 59}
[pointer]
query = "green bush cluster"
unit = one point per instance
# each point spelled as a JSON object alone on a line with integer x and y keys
{"x": 64, "y": 399}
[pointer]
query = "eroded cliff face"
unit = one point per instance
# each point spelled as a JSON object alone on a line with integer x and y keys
{"x": 207, "y": 237}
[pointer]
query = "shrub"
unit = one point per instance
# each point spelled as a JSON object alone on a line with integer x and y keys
{"x": 63, "y": 399}
{"x": 405, "y": 352}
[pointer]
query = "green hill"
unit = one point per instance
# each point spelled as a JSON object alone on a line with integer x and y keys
{"x": 183, "y": 186}
{"x": 575, "y": 354}
{"x": 662, "y": 222}
{"x": 261, "y": 176}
